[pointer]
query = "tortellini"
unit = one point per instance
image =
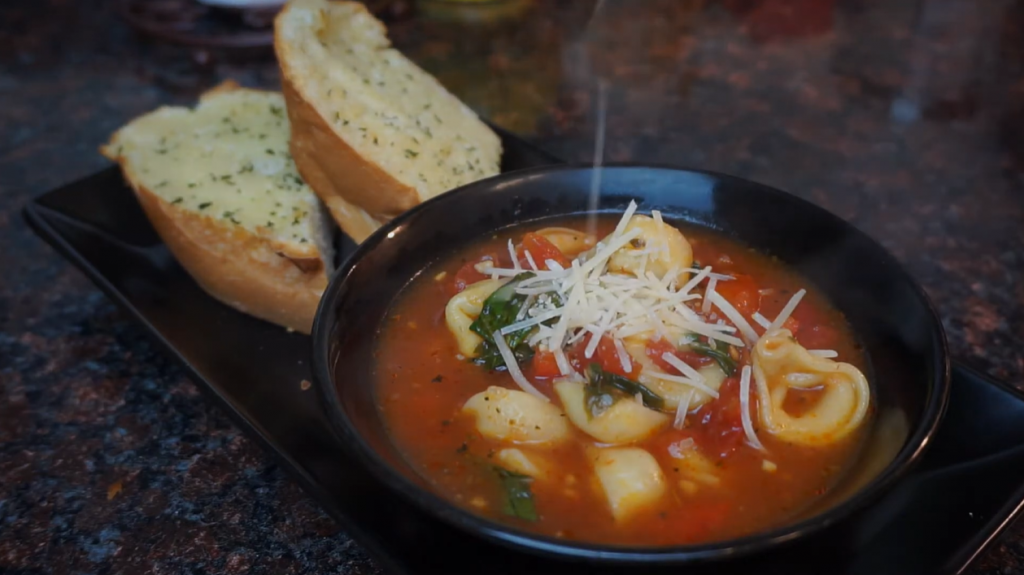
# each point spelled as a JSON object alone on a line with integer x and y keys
{"x": 672, "y": 392}
{"x": 463, "y": 309}
{"x": 694, "y": 466}
{"x": 630, "y": 478}
{"x": 569, "y": 241}
{"x": 516, "y": 417}
{"x": 665, "y": 247}
{"x": 780, "y": 363}
{"x": 518, "y": 461}
{"x": 624, "y": 422}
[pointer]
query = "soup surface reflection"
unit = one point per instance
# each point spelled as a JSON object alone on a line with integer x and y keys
{"x": 657, "y": 401}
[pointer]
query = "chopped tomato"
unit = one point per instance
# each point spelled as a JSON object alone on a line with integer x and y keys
{"x": 722, "y": 420}
{"x": 608, "y": 356}
{"x": 544, "y": 365}
{"x": 741, "y": 292}
{"x": 657, "y": 348}
{"x": 541, "y": 250}
{"x": 605, "y": 355}
{"x": 468, "y": 275}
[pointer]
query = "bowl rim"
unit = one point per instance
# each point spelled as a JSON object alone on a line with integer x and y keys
{"x": 512, "y": 537}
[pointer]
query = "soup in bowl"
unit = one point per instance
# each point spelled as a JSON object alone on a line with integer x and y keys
{"x": 647, "y": 379}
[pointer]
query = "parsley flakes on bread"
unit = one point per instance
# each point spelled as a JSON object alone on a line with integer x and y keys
{"x": 219, "y": 186}
{"x": 372, "y": 133}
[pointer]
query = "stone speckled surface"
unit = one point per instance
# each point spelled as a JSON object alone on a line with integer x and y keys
{"x": 904, "y": 117}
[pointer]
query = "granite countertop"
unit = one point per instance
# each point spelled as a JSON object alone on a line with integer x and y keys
{"x": 903, "y": 117}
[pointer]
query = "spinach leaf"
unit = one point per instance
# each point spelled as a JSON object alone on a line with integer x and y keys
{"x": 603, "y": 383}
{"x": 518, "y": 497}
{"x": 500, "y": 309}
{"x": 489, "y": 357}
{"x": 719, "y": 352}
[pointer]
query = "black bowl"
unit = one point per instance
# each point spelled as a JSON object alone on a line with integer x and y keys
{"x": 892, "y": 316}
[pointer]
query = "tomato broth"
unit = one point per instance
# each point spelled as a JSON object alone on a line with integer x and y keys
{"x": 423, "y": 382}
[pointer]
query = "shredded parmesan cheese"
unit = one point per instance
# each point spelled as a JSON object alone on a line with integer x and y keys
{"x": 525, "y": 308}
{"x": 683, "y": 380}
{"x": 564, "y": 367}
{"x": 786, "y": 311}
{"x": 513, "y": 367}
{"x": 682, "y": 409}
{"x": 529, "y": 259}
{"x": 696, "y": 279}
{"x": 512, "y": 255}
{"x": 683, "y": 367}
{"x": 705, "y": 306}
{"x": 624, "y": 360}
{"x": 564, "y": 305}
{"x": 717, "y": 276}
{"x": 748, "y": 425}
{"x": 530, "y": 322}
{"x": 734, "y": 316}
{"x": 595, "y": 338}
{"x": 676, "y": 449}
{"x": 761, "y": 320}
{"x": 624, "y": 220}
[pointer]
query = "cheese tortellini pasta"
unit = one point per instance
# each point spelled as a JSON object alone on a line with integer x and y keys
{"x": 694, "y": 466}
{"x": 524, "y": 463}
{"x": 624, "y": 422}
{"x": 516, "y": 417}
{"x": 630, "y": 478}
{"x": 781, "y": 364}
{"x": 672, "y": 392}
{"x": 569, "y": 241}
{"x": 463, "y": 309}
{"x": 665, "y": 247}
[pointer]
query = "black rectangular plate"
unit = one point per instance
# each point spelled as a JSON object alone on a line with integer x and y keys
{"x": 967, "y": 489}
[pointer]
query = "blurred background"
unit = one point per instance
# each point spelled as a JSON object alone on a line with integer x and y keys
{"x": 872, "y": 108}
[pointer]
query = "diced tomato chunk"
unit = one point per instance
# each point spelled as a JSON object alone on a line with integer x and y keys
{"x": 694, "y": 359}
{"x": 606, "y": 356}
{"x": 742, "y": 292}
{"x": 722, "y": 420}
{"x": 468, "y": 275}
{"x": 541, "y": 250}
{"x": 657, "y": 348}
{"x": 544, "y": 365}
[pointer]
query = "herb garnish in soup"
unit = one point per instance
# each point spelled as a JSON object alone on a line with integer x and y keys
{"x": 650, "y": 385}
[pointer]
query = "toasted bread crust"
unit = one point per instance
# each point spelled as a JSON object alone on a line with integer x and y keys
{"x": 338, "y": 174}
{"x": 238, "y": 268}
{"x": 365, "y": 185}
{"x": 276, "y": 281}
